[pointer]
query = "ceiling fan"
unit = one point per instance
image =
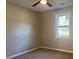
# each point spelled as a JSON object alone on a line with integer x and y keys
{"x": 42, "y": 2}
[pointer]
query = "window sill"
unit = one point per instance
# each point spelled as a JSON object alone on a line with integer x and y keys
{"x": 62, "y": 37}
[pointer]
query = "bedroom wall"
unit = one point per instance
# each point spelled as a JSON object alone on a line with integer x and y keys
{"x": 48, "y": 38}
{"x": 21, "y": 29}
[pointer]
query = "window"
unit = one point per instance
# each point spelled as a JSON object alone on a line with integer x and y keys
{"x": 62, "y": 25}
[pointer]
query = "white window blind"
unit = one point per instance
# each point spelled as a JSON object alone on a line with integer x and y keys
{"x": 63, "y": 25}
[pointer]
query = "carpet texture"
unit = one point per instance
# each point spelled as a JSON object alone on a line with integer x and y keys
{"x": 45, "y": 54}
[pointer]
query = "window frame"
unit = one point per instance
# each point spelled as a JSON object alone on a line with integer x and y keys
{"x": 56, "y": 18}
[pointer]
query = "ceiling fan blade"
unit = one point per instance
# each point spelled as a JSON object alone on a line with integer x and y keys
{"x": 50, "y": 5}
{"x": 35, "y": 4}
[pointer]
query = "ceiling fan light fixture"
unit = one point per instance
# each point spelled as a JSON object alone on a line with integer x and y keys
{"x": 43, "y": 2}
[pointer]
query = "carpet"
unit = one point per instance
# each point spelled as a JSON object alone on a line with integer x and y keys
{"x": 45, "y": 54}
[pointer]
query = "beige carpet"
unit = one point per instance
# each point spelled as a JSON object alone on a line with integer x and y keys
{"x": 45, "y": 54}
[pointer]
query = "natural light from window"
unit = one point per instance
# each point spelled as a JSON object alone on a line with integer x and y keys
{"x": 62, "y": 26}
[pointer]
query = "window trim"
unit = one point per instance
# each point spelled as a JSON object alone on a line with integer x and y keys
{"x": 56, "y": 31}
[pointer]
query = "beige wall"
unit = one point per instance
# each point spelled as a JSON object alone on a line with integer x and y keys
{"x": 21, "y": 29}
{"x": 48, "y": 38}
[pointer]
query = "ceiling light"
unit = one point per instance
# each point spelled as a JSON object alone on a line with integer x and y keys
{"x": 43, "y": 1}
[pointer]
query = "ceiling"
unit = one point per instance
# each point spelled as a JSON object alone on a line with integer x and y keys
{"x": 39, "y": 8}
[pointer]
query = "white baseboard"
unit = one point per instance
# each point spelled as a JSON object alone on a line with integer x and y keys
{"x": 21, "y": 53}
{"x": 57, "y": 49}
{"x": 38, "y": 48}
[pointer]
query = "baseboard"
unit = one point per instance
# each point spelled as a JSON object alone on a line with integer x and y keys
{"x": 21, "y": 53}
{"x": 36, "y": 49}
{"x": 57, "y": 49}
